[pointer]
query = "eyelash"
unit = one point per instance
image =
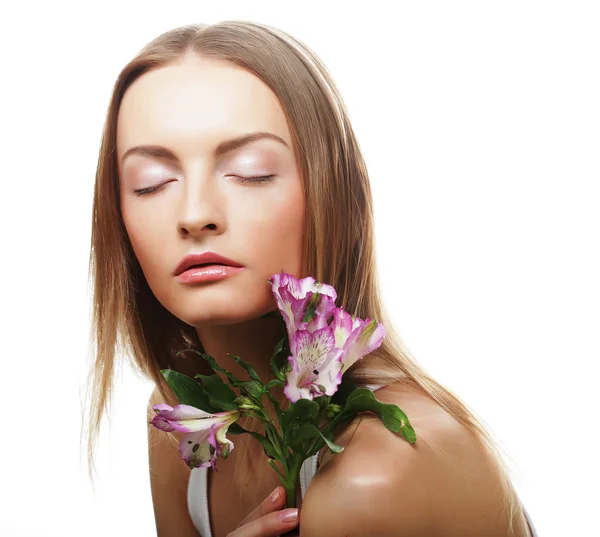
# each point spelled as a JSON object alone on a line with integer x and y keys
{"x": 257, "y": 179}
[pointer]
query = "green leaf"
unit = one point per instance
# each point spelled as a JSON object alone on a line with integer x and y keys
{"x": 276, "y": 406}
{"x": 275, "y": 382}
{"x": 302, "y": 412}
{"x": 188, "y": 391}
{"x": 300, "y": 435}
{"x": 265, "y": 443}
{"x": 219, "y": 394}
{"x": 314, "y": 301}
{"x": 279, "y": 345}
{"x": 236, "y": 428}
{"x": 346, "y": 387}
{"x": 251, "y": 372}
{"x": 253, "y": 388}
{"x": 334, "y": 448}
{"x": 318, "y": 446}
{"x": 275, "y": 367}
{"x": 409, "y": 433}
{"x": 362, "y": 399}
{"x": 216, "y": 367}
{"x": 323, "y": 402}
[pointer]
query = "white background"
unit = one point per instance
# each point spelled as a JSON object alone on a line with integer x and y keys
{"x": 480, "y": 125}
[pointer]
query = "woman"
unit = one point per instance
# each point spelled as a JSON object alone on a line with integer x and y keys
{"x": 186, "y": 168}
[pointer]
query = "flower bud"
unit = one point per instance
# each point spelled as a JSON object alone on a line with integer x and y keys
{"x": 333, "y": 410}
{"x": 246, "y": 403}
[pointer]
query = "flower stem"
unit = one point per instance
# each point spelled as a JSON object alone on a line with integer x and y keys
{"x": 275, "y": 405}
{"x": 272, "y": 434}
{"x": 274, "y": 438}
{"x": 291, "y": 482}
{"x": 270, "y": 430}
{"x": 274, "y": 466}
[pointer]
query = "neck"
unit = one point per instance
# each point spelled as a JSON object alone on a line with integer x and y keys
{"x": 253, "y": 341}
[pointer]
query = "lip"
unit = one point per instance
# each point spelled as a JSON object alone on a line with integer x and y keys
{"x": 209, "y": 257}
{"x": 209, "y": 273}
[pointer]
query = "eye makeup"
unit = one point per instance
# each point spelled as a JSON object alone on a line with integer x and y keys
{"x": 252, "y": 180}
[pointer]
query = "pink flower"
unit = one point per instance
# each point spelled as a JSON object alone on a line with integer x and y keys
{"x": 320, "y": 352}
{"x": 206, "y": 439}
{"x": 293, "y": 296}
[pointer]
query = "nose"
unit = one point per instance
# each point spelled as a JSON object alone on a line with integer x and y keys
{"x": 201, "y": 209}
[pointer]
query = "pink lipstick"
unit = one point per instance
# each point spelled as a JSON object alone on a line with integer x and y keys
{"x": 205, "y": 267}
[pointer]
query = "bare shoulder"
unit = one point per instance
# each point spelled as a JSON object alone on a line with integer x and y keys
{"x": 442, "y": 485}
{"x": 367, "y": 436}
{"x": 169, "y": 477}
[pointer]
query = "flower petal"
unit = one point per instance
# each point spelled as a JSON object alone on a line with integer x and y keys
{"x": 162, "y": 423}
{"x": 363, "y": 340}
{"x": 201, "y": 448}
{"x": 219, "y": 441}
{"x": 291, "y": 307}
{"x": 292, "y": 297}
{"x": 330, "y": 374}
{"x": 309, "y": 284}
{"x": 299, "y": 288}
{"x": 318, "y": 321}
{"x": 326, "y": 306}
{"x": 196, "y": 450}
{"x": 291, "y": 390}
{"x": 285, "y": 280}
{"x": 162, "y": 406}
{"x": 323, "y": 312}
{"x": 316, "y": 365}
{"x": 341, "y": 326}
{"x": 312, "y": 347}
{"x": 183, "y": 412}
{"x": 187, "y": 419}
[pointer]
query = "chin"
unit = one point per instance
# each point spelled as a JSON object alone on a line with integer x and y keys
{"x": 220, "y": 313}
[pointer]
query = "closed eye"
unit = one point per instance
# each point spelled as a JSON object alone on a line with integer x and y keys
{"x": 256, "y": 179}
{"x": 142, "y": 191}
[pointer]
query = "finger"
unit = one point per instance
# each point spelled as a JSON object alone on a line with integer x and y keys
{"x": 273, "y": 502}
{"x": 270, "y": 525}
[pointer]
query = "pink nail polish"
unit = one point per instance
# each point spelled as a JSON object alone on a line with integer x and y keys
{"x": 289, "y": 515}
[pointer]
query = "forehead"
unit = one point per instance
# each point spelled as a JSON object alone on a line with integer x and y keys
{"x": 193, "y": 105}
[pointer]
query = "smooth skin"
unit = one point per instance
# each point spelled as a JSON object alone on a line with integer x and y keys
{"x": 203, "y": 201}
{"x": 380, "y": 485}
{"x": 269, "y": 518}
{"x": 169, "y": 478}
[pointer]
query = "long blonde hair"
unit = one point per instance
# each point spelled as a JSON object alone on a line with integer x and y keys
{"x": 128, "y": 318}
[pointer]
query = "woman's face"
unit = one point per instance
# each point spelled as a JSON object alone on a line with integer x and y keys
{"x": 186, "y": 112}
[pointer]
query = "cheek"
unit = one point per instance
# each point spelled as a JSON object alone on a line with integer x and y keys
{"x": 277, "y": 238}
{"x": 144, "y": 234}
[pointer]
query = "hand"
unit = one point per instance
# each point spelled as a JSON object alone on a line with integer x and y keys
{"x": 267, "y": 520}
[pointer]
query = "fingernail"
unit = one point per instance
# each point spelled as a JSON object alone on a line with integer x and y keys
{"x": 289, "y": 515}
{"x": 275, "y": 494}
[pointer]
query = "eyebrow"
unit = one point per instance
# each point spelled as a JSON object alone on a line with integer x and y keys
{"x": 158, "y": 151}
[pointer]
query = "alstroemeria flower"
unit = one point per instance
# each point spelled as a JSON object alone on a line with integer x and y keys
{"x": 321, "y": 354}
{"x": 357, "y": 337}
{"x": 316, "y": 365}
{"x": 206, "y": 439}
{"x": 293, "y": 296}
